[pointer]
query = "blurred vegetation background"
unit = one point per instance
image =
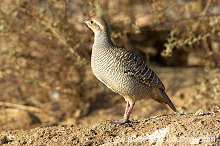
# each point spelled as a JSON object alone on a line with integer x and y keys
{"x": 45, "y": 48}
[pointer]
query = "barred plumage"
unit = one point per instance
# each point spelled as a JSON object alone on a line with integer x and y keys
{"x": 122, "y": 71}
{"x": 138, "y": 69}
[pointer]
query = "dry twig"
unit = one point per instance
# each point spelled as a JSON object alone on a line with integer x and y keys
{"x": 20, "y": 107}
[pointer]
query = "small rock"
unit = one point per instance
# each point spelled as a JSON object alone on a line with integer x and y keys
{"x": 199, "y": 112}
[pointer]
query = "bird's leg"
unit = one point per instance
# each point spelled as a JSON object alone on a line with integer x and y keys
{"x": 128, "y": 110}
{"x": 127, "y": 113}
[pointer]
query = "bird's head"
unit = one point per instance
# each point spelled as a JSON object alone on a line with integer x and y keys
{"x": 97, "y": 24}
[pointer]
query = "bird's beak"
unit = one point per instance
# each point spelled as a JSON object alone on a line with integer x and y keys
{"x": 85, "y": 21}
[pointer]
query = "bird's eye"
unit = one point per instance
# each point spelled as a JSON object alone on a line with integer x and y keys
{"x": 91, "y": 22}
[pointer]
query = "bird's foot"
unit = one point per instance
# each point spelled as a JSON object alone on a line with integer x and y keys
{"x": 120, "y": 122}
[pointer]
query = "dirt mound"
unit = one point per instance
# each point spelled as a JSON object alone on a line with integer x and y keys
{"x": 167, "y": 129}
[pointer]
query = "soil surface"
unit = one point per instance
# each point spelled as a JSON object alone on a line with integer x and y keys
{"x": 197, "y": 120}
{"x": 168, "y": 129}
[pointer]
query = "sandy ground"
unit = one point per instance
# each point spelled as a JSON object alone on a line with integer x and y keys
{"x": 167, "y": 129}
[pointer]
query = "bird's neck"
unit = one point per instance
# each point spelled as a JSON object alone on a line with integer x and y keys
{"x": 102, "y": 39}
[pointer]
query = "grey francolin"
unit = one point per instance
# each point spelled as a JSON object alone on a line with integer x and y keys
{"x": 122, "y": 71}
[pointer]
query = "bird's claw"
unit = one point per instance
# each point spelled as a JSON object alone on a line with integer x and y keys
{"x": 120, "y": 122}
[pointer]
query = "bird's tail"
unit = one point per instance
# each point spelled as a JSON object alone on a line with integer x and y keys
{"x": 168, "y": 101}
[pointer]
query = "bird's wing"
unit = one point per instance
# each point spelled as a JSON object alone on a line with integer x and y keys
{"x": 138, "y": 69}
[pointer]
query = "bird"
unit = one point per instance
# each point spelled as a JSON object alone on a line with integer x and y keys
{"x": 122, "y": 71}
